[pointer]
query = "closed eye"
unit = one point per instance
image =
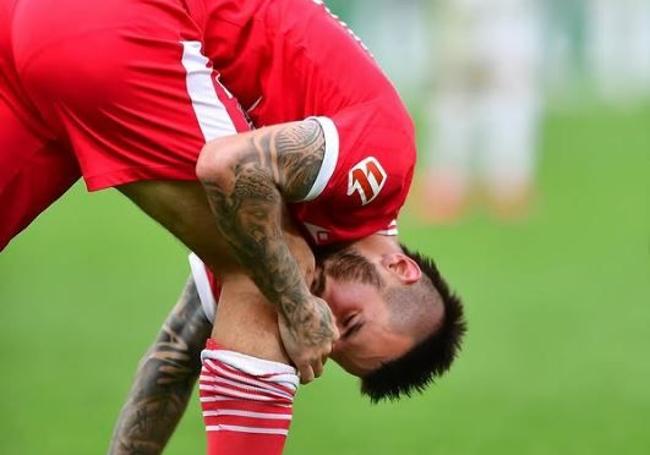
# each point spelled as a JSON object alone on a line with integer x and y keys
{"x": 354, "y": 329}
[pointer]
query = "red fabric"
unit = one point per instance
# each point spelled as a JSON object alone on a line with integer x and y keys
{"x": 34, "y": 169}
{"x": 109, "y": 78}
{"x": 287, "y": 60}
{"x": 244, "y": 414}
{"x": 253, "y": 42}
{"x": 225, "y": 443}
{"x": 32, "y": 177}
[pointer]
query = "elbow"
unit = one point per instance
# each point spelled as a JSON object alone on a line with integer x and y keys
{"x": 215, "y": 161}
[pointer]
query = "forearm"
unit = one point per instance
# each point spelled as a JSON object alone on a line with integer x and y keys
{"x": 164, "y": 380}
{"x": 259, "y": 245}
{"x": 246, "y": 190}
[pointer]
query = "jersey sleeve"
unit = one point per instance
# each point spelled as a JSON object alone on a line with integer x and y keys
{"x": 365, "y": 176}
{"x": 330, "y": 157}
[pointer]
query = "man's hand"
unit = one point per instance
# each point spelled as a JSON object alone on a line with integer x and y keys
{"x": 308, "y": 339}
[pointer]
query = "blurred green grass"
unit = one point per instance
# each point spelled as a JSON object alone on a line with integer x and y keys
{"x": 556, "y": 360}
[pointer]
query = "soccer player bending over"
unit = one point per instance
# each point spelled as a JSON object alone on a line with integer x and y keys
{"x": 339, "y": 159}
{"x": 398, "y": 325}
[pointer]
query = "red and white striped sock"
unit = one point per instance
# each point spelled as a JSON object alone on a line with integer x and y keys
{"x": 247, "y": 402}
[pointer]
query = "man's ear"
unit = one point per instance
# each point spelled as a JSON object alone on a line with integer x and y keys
{"x": 402, "y": 267}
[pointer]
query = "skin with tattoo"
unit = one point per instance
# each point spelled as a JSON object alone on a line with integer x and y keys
{"x": 288, "y": 158}
{"x": 164, "y": 380}
{"x": 245, "y": 323}
{"x": 248, "y": 177}
{"x": 247, "y": 188}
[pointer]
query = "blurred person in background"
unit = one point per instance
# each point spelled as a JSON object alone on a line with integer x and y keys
{"x": 403, "y": 51}
{"x": 484, "y": 110}
{"x": 565, "y": 36}
{"x": 619, "y": 49}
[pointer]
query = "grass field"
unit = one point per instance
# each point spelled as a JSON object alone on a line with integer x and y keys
{"x": 556, "y": 361}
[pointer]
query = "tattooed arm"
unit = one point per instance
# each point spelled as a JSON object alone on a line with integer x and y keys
{"x": 248, "y": 178}
{"x": 164, "y": 380}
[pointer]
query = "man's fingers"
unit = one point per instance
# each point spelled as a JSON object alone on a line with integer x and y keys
{"x": 306, "y": 374}
{"x": 326, "y": 353}
{"x": 309, "y": 372}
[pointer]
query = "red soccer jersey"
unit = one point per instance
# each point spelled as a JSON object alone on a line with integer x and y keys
{"x": 288, "y": 60}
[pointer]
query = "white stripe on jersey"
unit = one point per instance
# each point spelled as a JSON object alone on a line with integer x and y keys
{"x": 210, "y": 112}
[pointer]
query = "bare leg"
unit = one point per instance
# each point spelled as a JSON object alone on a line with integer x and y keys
{"x": 246, "y": 323}
{"x": 246, "y": 387}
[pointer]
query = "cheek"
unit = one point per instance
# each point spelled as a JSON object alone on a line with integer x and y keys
{"x": 340, "y": 308}
{"x": 346, "y": 359}
{"x": 348, "y": 297}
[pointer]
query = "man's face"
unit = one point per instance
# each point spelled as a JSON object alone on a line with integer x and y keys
{"x": 352, "y": 287}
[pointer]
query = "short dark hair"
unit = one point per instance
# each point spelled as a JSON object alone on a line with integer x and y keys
{"x": 431, "y": 357}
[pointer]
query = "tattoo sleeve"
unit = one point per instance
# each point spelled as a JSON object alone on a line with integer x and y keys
{"x": 276, "y": 164}
{"x": 164, "y": 381}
